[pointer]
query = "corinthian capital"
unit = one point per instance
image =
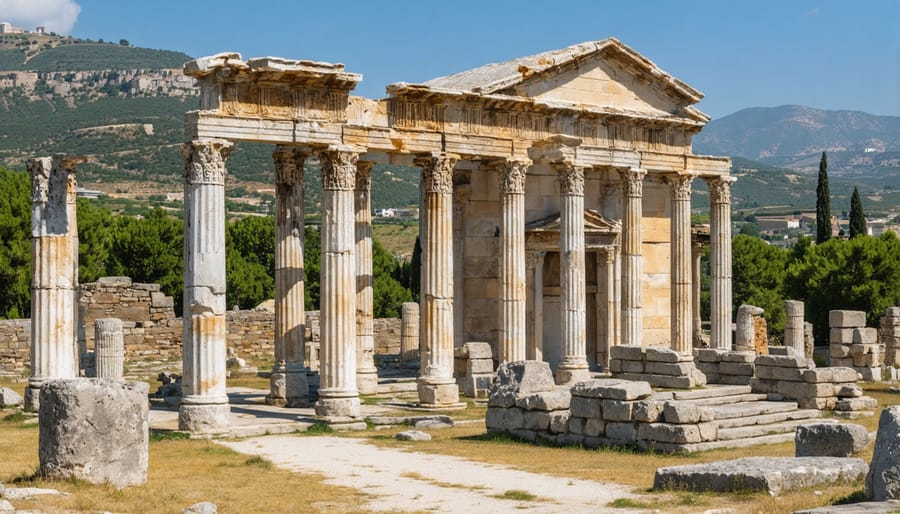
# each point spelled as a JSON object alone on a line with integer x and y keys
{"x": 512, "y": 176}
{"x": 289, "y": 162}
{"x": 204, "y": 161}
{"x": 338, "y": 169}
{"x": 570, "y": 178}
{"x": 720, "y": 189}
{"x": 681, "y": 186}
{"x": 633, "y": 182}
{"x": 364, "y": 175}
{"x": 437, "y": 172}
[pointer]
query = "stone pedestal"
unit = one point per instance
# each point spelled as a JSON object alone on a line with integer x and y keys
{"x": 338, "y": 395}
{"x": 288, "y": 385}
{"x": 109, "y": 342}
{"x": 204, "y": 407}
{"x": 793, "y": 328}
{"x": 54, "y": 257}
{"x": 366, "y": 373}
{"x": 573, "y": 366}
{"x": 632, "y": 274}
{"x": 409, "y": 333}
{"x": 437, "y": 387}
{"x": 720, "y": 261}
{"x": 512, "y": 260}
{"x": 681, "y": 311}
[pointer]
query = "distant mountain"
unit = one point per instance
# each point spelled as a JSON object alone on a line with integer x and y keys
{"x": 45, "y": 52}
{"x": 793, "y": 136}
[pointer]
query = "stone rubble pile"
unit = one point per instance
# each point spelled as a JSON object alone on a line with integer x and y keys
{"x": 661, "y": 367}
{"x": 889, "y": 336}
{"x": 852, "y": 344}
{"x": 725, "y": 367}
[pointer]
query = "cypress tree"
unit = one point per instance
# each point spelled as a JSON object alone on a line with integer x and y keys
{"x": 857, "y": 216}
{"x": 823, "y": 203}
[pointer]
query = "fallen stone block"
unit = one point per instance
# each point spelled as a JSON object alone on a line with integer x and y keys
{"x": 853, "y": 404}
{"x": 771, "y": 474}
{"x": 201, "y": 508}
{"x": 9, "y": 398}
{"x": 94, "y": 429}
{"x": 830, "y": 439}
{"x": 431, "y": 422}
{"x": 413, "y": 435}
{"x": 475, "y": 350}
{"x": 883, "y": 480}
{"x": 848, "y": 391}
{"x": 844, "y": 319}
{"x": 546, "y": 400}
{"x": 516, "y": 379}
{"x": 612, "y": 389}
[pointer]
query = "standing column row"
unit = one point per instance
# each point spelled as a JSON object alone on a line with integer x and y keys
{"x": 54, "y": 257}
{"x": 204, "y": 407}
{"x": 437, "y": 387}
{"x": 720, "y": 261}
{"x": 366, "y": 373}
{"x": 632, "y": 271}
{"x": 288, "y": 383}
{"x": 682, "y": 318}
{"x": 512, "y": 260}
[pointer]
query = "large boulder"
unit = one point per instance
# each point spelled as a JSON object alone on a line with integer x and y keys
{"x": 883, "y": 480}
{"x": 518, "y": 379}
{"x": 830, "y": 439}
{"x": 95, "y": 430}
{"x": 9, "y": 398}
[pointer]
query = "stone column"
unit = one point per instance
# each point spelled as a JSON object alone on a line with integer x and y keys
{"x": 680, "y": 260}
{"x": 437, "y": 388}
{"x": 609, "y": 309}
{"x": 632, "y": 270}
{"x": 288, "y": 384}
{"x": 793, "y": 328}
{"x": 109, "y": 345}
{"x": 366, "y": 373}
{"x": 512, "y": 260}
{"x": 720, "y": 261}
{"x": 338, "y": 395}
{"x": 536, "y": 349}
{"x": 409, "y": 333}
{"x": 461, "y": 193}
{"x": 53, "y": 281}
{"x": 204, "y": 407}
{"x": 696, "y": 254}
{"x": 573, "y": 366}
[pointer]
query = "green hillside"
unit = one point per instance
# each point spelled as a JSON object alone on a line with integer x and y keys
{"x": 39, "y": 52}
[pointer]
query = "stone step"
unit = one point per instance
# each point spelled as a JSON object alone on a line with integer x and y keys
{"x": 784, "y": 427}
{"x": 720, "y": 444}
{"x": 742, "y": 410}
{"x": 711, "y": 391}
{"x": 736, "y": 398}
{"x": 765, "y": 419}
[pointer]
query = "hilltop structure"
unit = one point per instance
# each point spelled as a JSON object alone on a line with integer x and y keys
{"x": 555, "y": 216}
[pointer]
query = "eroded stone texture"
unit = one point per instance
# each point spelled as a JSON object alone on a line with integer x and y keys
{"x": 109, "y": 341}
{"x": 745, "y": 329}
{"x": 409, "y": 332}
{"x": 95, "y": 430}
{"x": 830, "y": 439}
{"x": 720, "y": 261}
{"x": 366, "y": 373}
{"x": 883, "y": 480}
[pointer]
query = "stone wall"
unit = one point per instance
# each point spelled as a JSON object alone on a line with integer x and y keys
{"x": 15, "y": 335}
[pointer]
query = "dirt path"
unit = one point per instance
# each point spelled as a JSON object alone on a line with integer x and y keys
{"x": 412, "y": 481}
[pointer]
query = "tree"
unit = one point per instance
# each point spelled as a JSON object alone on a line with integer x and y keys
{"x": 15, "y": 244}
{"x": 250, "y": 261}
{"x": 96, "y": 227}
{"x": 823, "y": 203}
{"x": 857, "y": 216}
{"x": 124, "y": 42}
{"x": 758, "y": 271}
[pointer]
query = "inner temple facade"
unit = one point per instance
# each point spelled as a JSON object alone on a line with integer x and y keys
{"x": 555, "y": 216}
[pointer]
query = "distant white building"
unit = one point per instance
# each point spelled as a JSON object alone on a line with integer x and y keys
{"x": 8, "y": 28}
{"x": 385, "y": 213}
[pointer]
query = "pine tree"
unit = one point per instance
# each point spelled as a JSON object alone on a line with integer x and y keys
{"x": 823, "y": 203}
{"x": 857, "y": 216}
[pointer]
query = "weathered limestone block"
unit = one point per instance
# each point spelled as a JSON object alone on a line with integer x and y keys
{"x": 782, "y": 361}
{"x": 576, "y": 425}
{"x": 509, "y": 419}
{"x": 796, "y": 390}
{"x": 685, "y": 412}
{"x": 648, "y": 411}
{"x": 848, "y": 391}
{"x": 830, "y": 439}
{"x": 514, "y": 380}
{"x": 838, "y": 335}
{"x": 9, "y": 398}
{"x": 109, "y": 340}
{"x": 708, "y": 354}
{"x": 739, "y": 357}
{"x": 856, "y": 404}
{"x": 793, "y": 328}
{"x": 745, "y": 327}
{"x": 413, "y": 435}
{"x": 679, "y": 369}
{"x": 668, "y": 433}
{"x": 622, "y": 432}
{"x": 477, "y": 350}
{"x": 558, "y": 399}
{"x": 95, "y": 430}
{"x": 536, "y": 420}
{"x": 201, "y": 508}
{"x": 771, "y": 474}
{"x": 883, "y": 480}
{"x": 582, "y": 407}
{"x": 612, "y": 389}
{"x": 629, "y": 353}
{"x": 760, "y": 335}
{"x": 843, "y": 319}
{"x": 663, "y": 354}
{"x": 736, "y": 368}
{"x": 559, "y": 421}
{"x": 594, "y": 427}
{"x": 865, "y": 335}
{"x": 616, "y": 410}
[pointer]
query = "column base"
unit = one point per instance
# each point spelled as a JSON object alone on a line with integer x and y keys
{"x": 32, "y": 402}
{"x": 568, "y": 376}
{"x": 438, "y": 395}
{"x": 288, "y": 389}
{"x": 338, "y": 409}
{"x": 367, "y": 381}
{"x": 203, "y": 418}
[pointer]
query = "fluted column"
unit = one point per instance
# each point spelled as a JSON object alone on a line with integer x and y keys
{"x": 288, "y": 384}
{"x": 682, "y": 318}
{"x": 109, "y": 344}
{"x": 366, "y": 373}
{"x": 512, "y": 260}
{"x": 409, "y": 334}
{"x": 536, "y": 347}
{"x": 632, "y": 269}
{"x": 610, "y": 309}
{"x": 204, "y": 407}
{"x": 793, "y": 326}
{"x": 696, "y": 254}
{"x": 338, "y": 395}
{"x": 461, "y": 193}
{"x": 436, "y": 384}
{"x": 54, "y": 252}
{"x": 573, "y": 366}
{"x": 720, "y": 261}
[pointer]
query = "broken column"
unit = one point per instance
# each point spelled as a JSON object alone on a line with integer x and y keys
{"x": 409, "y": 333}
{"x": 632, "y": 274}
{"x": 696, "y": 255}
{"x": 745, "y": 328}
{"x": 680, "y": 259}
{"x": 53, "y": 280}
{"x": 338, "y": 395}
{"x": 288, "y": 384}
{"x": 437, "y": 387}
{"x": 720, "y": 261}
{"x": 889, "y": 336}
{"x": 793, "y": 327}
{"x": 204, "y": 407}
{"x": 573, "y": 366}
{"x": 366, "y": 373}
{"x": 109, "y": 348}
{"x": 511, "y": 343}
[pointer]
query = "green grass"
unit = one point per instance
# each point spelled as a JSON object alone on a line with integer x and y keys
{"x": 517, "y": 495}
{"x": 319, "y": 427}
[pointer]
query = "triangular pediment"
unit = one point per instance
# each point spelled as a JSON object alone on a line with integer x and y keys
{"x": 594, "y": 223}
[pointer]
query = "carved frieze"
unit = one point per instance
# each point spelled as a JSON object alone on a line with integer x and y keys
{"x": 720, "y": 189}
{"x": 338, "y": 170}
{"x": 437, "y": 173}
{"x": 204, "y": 161}
{"x": 512, "y": 176}
{"x": 283, "y": 101}
{"x": 633, "y": 182}
{"x": 289, "y": 165}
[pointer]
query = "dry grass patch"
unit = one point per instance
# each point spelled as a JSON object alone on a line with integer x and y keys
{"x": 396, "y": 238}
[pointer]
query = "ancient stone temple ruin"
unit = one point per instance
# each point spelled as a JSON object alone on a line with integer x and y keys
{"x": 556, "y": 195}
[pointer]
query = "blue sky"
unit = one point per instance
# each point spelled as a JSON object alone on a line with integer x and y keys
{"x": 825, "y": 54}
